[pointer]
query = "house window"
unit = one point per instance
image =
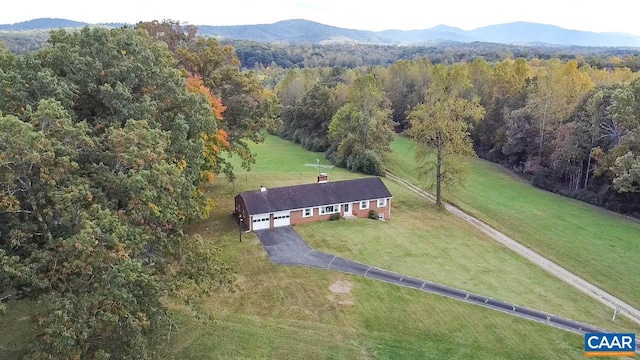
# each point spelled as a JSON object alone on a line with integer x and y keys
{"x": 329, "y": 209}
{"x": 308, "y": 212}
{"x": 382, "y": 203}
{"x": 364, "y": 205}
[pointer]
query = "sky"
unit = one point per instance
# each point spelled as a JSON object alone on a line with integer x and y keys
{"x": 614, "y": 16}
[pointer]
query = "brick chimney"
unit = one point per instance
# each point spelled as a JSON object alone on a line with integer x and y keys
{"x": 322, "y": 178}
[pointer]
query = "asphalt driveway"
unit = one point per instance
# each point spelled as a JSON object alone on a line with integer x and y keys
{"x": 286, "y": 247}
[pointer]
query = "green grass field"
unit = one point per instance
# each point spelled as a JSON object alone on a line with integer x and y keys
{"x": 280, "y": 312}
{"x": 593, "y": 243}
{"x": 428, "y": 243}
{"x": 290, "y": 313}
{"x": 17, "y": 328}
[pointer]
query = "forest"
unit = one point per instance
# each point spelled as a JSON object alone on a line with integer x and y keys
{"x": 254, "y": 55}
{"x": 259, "y": 55}
{"x": 108, "y": 140}
{"x": 568, "y": 126}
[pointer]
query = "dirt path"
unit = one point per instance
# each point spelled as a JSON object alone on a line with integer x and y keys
{"x": 546, "y": 264}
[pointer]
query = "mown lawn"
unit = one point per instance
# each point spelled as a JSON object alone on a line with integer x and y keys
{"x": 595, "y": 244}
{"x": 279, "y": 312}
{"x": 423, "y": 241}
{"x": 290, "y": 313}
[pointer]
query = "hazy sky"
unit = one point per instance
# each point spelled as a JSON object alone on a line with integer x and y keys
{"x": 620, "y": 15}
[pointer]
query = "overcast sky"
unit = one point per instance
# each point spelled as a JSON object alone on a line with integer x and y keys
{"x": 620, "y": 15}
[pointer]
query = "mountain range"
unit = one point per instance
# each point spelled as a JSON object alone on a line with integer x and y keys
{"x": 300, "y": 31}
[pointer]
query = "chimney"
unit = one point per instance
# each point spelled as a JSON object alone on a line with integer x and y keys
{"x": 263, "y": 188}
{"x": 322, "y": 178}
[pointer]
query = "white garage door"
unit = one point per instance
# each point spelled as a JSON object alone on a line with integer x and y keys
{"x": 282, "y": 218}
{"x": 260, "y": 222}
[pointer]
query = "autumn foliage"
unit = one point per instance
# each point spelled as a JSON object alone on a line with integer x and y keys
{"x": 96, "y": 188}
{"x": 196, "y": 86}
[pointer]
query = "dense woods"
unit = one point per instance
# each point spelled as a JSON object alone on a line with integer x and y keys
{"x": 260, "y": 55}
{"x": 569, "y": 126}
{"x": 24, "y": 42}
{"x": 255, "y": 55}
{"x": 108, "y": 139}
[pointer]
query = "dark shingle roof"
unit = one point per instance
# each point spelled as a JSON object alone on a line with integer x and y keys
{"x": 316, "y": 194}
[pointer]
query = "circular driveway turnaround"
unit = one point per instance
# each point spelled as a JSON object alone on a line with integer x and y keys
{"x": 286, "y": 247}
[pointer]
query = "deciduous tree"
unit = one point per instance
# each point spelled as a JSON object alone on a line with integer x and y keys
{"x": 439, "y": 126}
{"x": 627, "y": 171}
{"x": 102, "y": 157}
{"x": 557, "y": 90}
{"x": 361, "y": 131}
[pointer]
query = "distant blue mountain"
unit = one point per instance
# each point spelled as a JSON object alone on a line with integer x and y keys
{"x": 300, "y": 31}
{"x": 291, "y": 31}
{"x": 438, "y": 33}
{"x": 42, "y": 24}
{"x": 304, "y": 31}
{"x": 527, "y": 32}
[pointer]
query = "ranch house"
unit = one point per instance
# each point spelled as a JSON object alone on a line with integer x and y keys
{"x": 299, "y": 204}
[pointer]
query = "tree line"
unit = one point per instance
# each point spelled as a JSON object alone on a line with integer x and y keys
{"x": 254, "y": 55}
{"x": 570, "y": 127}
{"x": 257, "y": 55}
{"x": 108, "y": 139}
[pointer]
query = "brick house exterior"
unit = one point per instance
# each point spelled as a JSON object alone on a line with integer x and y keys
{"x": 301, "y": 204}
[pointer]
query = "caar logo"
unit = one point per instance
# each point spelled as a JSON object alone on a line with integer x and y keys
{"x": 609, "y": 344}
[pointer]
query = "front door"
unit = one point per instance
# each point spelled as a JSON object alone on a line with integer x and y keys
{"x": 347, "y": 209}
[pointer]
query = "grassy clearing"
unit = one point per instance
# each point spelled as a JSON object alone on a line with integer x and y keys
{"x": 290, "y": 313}
{"x": 281, "y": 163}
{"x": 593, "y": 243}
{"x": 423, "y": 241}
{"x": 17, "y": 326}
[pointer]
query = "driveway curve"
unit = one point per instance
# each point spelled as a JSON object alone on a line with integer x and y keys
{"x": 285, "y": 247}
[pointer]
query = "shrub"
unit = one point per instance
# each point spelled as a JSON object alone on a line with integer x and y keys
{"x": 373, "y": 214}
{"x": 335, "y": 216}
{"x": 367, "y": 162}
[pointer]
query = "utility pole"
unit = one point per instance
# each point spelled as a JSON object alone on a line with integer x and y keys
{"x": 240, "y": 221}
{"x": 615, "y": 312}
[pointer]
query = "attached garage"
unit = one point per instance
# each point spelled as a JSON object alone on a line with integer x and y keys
{"x": 261, "y": 222}
{"x": 298, "y": 204}
{"x": 282, "y": 218}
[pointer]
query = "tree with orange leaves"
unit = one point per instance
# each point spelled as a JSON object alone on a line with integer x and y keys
{"x": 215, "y": 142}
{"x": 196, "y": 86}
{"x": 250, "y": 108}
